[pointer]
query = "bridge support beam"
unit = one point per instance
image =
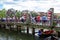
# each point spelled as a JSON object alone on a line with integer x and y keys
{"x": 27, "y": 30}
{"x": 19, "y": 29}
{"x": 10, "y": 27}
{"x": 3, "y": 26}
{"x": 33, "y": 31}
{"x": 0, "y": 25}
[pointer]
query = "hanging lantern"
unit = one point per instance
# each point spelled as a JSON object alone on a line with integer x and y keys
{"x": 49, "y": 15}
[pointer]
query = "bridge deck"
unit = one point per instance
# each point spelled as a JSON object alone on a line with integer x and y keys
{"x": 29, "y": 25}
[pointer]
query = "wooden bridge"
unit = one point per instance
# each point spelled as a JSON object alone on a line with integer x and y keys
{"x": 30, "y": 25}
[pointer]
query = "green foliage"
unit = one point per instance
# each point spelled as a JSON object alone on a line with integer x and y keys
{"x": 59, "y": 17}
{"x": 54, "y": 24}
{"x": 11, "y": 15}
{"x": 2, "y": 13}
{"x": 18, "y": 14}
{"x": 33, "y": 14}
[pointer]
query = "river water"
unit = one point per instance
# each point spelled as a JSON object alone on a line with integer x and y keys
{"x": 13, "y": 35}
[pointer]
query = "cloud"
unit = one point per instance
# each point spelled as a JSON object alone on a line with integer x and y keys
{"x": 9, "y": 3}
{"x": 37, "y": 5}
{"x": 15, "y": 0}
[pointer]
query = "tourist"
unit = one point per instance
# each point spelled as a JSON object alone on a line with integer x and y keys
{"x": 37, "y": 19}
{"x": 40, "y": 32}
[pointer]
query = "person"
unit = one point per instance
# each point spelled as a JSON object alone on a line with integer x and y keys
{"x": 37, "y": 18}
{"x": 23, "y": 19}
{"x": 44, "y": 19}
{"x": 3, "y": 20}
{"x": 40, "y": 32}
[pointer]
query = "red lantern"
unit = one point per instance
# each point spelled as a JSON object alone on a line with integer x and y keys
{"x": 49, "y": 12}
{"x": 49, "y": 15}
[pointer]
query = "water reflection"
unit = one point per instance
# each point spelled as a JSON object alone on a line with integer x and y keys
{"x": 12, "y": 35}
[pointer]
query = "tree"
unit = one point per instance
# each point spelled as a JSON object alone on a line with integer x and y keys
{"x": 2, "y": 13}
{"x": 18, "y": 14}
{"x": 58, "y": 17}
{"x": 10, "y": 13}
{"x": 54, "y": 24}
{"x": 33, "y": 14}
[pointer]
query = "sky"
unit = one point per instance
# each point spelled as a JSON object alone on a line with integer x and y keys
{"x": 36, "y": 5}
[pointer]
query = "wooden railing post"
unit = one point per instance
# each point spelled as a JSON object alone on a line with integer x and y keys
{"x": 33, "y": 31}
{"x": 27, "y": 30}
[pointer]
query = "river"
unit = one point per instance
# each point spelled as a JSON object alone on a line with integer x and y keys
{"x": 13, "y": 35}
